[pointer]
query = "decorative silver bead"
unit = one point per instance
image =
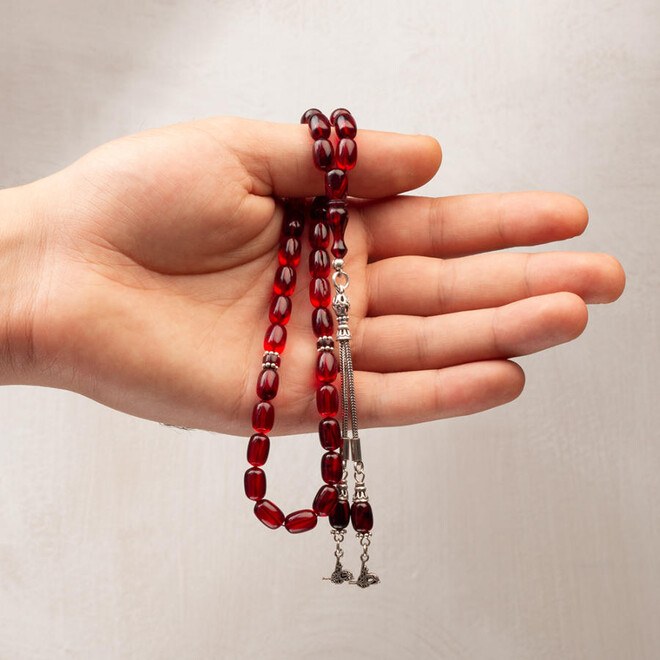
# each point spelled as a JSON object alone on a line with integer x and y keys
{"x": 337, "y": 264}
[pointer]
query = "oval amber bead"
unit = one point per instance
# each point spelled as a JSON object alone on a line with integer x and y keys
{"x": 331, "y": 467}
{"x": 340, "y": 516}
{"x": 330, "y": 434}
{"x": 258, "y": 448}
{"x": 317, "y": 207}
{"x": 362, "y": 518}
{"x": 319, "y": 263}
{"x": 319, "y": 292}
{"x": 325, "y": 500}
{"x": 319, "y": 127}
{"x": 323, "y": 154}
{"x": 336, "y": 183}
{"x": 280, "y": 310}
{"x": 337, "y": 112}
{"x": 263, "y": 416}
{"x": 267, "y": 384}
{"x": 270, "y": 514}
{"x": 255, "y": 483}
{"x": 322, "y": 322}
{"x": 326, "y": 367}
{"x": 285, "y": 281}
{"x": 289, "y": 252}
{"x": 319, "y": 235}
{"x": 346, "y": 154}
{"x": 308, "y": 114}
{"x": 293, "y": 225}
{"x": 345, "y": 126}
{"x": 300, "y": 521}
{"x": 275, "y": 338}
{"x": 327, "y": 400}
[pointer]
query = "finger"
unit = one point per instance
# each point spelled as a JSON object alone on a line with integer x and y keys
{"x": 465, "y": 224}
{"x": 420, "y": 396}
{"x": 278, "y": 158}
{"x": 424, "y": 286}
{"x": 405, "y": 343}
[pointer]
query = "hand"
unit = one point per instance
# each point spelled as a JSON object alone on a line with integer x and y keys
{"x": 152, "y": 260}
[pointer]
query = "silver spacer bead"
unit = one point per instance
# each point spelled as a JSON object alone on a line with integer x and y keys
{"x": 338, "y": 264}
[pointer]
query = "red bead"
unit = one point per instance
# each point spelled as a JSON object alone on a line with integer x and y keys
{"x": 330, "y": 434}
{"x": 319, "y": 292}
{"x": 270, "y": 514}
{"x": 263, "y": 416}
{"x": 325, "y": 500}
{"x": 308, "y": 114}
{"x": 300, "y": 521}
{"x": 319, "y": 235}
{"x": 337, "y": 216}
{"x": 317, "y": 207}
{"x": 275, "y": 338}
{"x": 346, "y": 154}
{"x": 326, "y": 367}
{"x": 267, "y": 384}
{"x": 293, "y": 224}
{"x": 362, "y": 518}
{"x": 331, "y": 467}
{"x": 336, "y": 183}
{"x": 339, "y": 248}
{"x": 289, "y": 252}
{"x": 323, "y": 153}
{"x": 319, "y": 127}
{"x": 345, "y": 126}
{"x": 341, "y": 515}
{"x": 255, "y": 483}
{"x": 258, "y": 448}
{"x": 327, "y": 400}
{"x": 280, "y": 310}
{"x": 319, "y": 263}
{"x": 285, "y": 280}
{"x": 337, "y": 112}
{"x": 322, "y": 322}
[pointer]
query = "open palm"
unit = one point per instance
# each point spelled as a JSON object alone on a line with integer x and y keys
{"x": 159, "y": 251}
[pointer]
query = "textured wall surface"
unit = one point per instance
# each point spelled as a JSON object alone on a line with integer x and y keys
{"x": 527, "y": 532}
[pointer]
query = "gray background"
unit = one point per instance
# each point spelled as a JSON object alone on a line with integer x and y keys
{"x": 531, "y": 531}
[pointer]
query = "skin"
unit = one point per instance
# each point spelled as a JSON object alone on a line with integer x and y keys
{"x": 140, "y": 276}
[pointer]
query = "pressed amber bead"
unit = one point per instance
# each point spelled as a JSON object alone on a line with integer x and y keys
{"x": 325, "y": 500}
{"x": 258, "y": 448}
{"x": 275, "y": 338}
{"x": 336, "y": 183}
{"x": 345, "y": 126}
{"x": 270, "y": 514}
{"x": 319, "y": 235}
{"x": 300, "y": 521}
{"x": 346, "y": 154}
{"x": 327, "y": 400}
{"x": 308, "y": 114}
{"x": 289, "y": 251}
{"x": 319, "y": 127}
{"x": 319, "y": 263}
{"x": 293, "y": 224}
{"x": 285, "y": 281}
{"x": 337, "y": 112}
{"x": 326, "y": 367}
{"x": 339, "y": 248}
{"x": 319, "y": 292}
{"x": 331, "y": 467}
{"x": 340, "y": 516}
{"x": 330, "y": 434}
{"x": 280, "y": 310}
{"x": 323, "y": 154}
{"x": 317, "y": 207}
{"x": 267, "y": 384}
{"x": 263, "y": 416}
{"x": 255, "y": 483}
{"x": 322, "y": 322}
{"x": 362, "y": 518}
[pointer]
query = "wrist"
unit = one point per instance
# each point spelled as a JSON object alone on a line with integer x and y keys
{"x": 22, "y": 246}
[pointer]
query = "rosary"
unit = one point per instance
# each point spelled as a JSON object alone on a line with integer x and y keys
{"x": 326, "y": 214}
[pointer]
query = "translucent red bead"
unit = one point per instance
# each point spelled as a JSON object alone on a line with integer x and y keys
{"x": 263, "y": 417}
{"x": 269, "y": 514}
{"x": 331, "y": 467}
{"x": 322, "y": 322}
{"x": 255, "y": 483}
{"x": 362, "y": 518}
{"x": 345, "y": 126}
{"x": 300, "y": 521}
{"x": 330, "y": 434}
{"x": 325, "y": 500}
{"x": 289, "y": 251}
{"x": 258, "y": 448}
{"x": 285, "y": 281}
{"x": 320, "y": 294}
{"x": 327, "y": 400}
{"x": 323, "y": 154}
{"x": 275, "y": 338}
{"x": 267, "y": 384}
{"x": 326, "y": 367}
{"x": 319, "y": 126}
{"x": 319, "y": 263}
{"x": 336, "y": 183}
{"x": 319, "y": 235}
{"x": 346, "y": 154}
{"x": 280, "y": 310}
{"x": 340, "y": 517}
